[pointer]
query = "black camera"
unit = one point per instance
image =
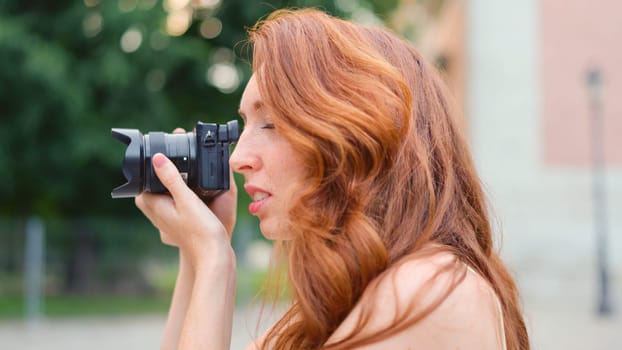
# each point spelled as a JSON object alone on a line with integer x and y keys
{"x": 201, "y": 156}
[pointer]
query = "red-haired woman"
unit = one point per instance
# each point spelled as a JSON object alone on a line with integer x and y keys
{"x": 357, "y": 170}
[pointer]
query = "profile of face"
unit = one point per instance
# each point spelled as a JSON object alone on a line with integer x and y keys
{"x": 273, "y": 171}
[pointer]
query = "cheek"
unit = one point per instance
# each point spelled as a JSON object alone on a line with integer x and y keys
{"x": 294, "y": 165}
{"x": 293, "y": 178}
{"x": 296, "y": 185}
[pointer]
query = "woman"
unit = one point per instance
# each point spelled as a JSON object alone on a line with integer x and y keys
{"x": 357, "y": 170}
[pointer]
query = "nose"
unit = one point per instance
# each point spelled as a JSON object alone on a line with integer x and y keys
{"x": 244, "y": 157}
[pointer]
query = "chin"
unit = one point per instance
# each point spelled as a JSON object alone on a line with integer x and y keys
{"x": 274, "y": 232}
{"x": 267, "y": 230}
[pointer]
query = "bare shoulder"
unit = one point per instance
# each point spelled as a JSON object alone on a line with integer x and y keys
{"x": 452, "y": 307}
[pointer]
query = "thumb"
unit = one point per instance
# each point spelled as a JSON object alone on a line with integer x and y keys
{"x": 169, "y": 176}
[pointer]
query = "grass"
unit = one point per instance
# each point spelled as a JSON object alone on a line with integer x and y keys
{"x": 12, "y": 305}
{"x": 71, "y": 305}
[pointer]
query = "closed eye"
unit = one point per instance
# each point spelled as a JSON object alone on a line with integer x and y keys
{"x": 268, "y": 126}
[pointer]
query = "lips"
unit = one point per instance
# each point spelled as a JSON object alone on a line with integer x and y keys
{"x": 260, "y": 197}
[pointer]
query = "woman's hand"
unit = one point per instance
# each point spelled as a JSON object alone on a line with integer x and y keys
{"x": 202, "y": 307}
{"x": 183, "y": 219}
{"x": 225, "y": 206}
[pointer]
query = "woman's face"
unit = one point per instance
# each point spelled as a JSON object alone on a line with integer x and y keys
{"x": 273, "y": 171}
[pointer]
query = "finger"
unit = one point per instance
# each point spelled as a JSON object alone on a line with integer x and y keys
{"x": 165, "y": 238}
{"x": 145, "y": 207}
{"x": 169, "y": 176}
{"x": 158, "y": 208}
{"x": 224, "y": 206}
{"x": 143, "y": 202}
{"x": 139, "y": 202}
{"x": 179, "y": 131}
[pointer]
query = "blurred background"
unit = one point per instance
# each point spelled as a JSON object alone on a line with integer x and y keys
{"x": 538, "y": 82}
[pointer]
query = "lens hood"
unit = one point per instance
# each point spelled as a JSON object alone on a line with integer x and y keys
{"x": 132, "y": 163}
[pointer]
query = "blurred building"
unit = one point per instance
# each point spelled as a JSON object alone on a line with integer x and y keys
{"x": 520, "y": 71}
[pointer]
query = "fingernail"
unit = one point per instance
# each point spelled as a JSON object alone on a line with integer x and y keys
{"x": 158, "y": 160}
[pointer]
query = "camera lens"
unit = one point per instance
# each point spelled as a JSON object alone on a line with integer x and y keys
{"x": 137, "y": 169}
{"x": 202, "y": 158}
{"x": 179, "y": 148}
{"x": 132, "y": 162}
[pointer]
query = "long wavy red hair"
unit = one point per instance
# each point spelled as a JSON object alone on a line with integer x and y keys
{"x": 389, "y": 171}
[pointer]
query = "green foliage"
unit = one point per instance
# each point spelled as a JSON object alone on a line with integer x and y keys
{"x": 63, "y": 86}
{"x": 62, "y": 92}
{"x": 65, "y": 81}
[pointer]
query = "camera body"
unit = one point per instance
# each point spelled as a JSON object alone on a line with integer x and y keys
{"x": 201, "y": 156}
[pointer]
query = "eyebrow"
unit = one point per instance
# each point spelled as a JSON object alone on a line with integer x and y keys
{"x": 257, "y": 105}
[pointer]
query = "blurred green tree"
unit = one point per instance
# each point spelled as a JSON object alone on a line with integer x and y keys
{"x": 71, "y": 70}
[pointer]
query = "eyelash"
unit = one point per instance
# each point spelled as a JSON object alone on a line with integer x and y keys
{"x": 268, "y": 126}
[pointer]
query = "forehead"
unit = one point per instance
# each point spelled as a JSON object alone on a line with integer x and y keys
{"x": 251, "y": 99}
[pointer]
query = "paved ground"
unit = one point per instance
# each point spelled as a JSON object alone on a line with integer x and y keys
{"x": 104, "y": 333}
{"x": 571, "y": 323}
{"x": 563, "y": 321}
